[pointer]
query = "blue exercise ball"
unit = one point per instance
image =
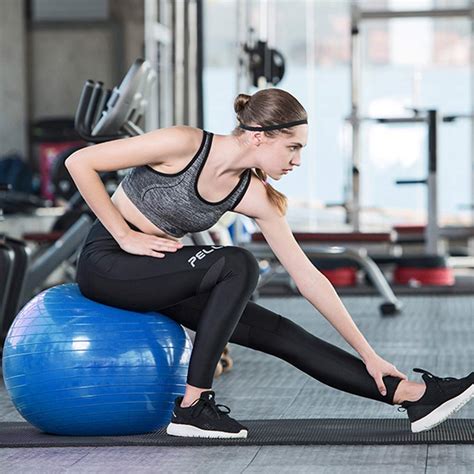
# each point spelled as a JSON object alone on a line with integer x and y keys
{"x": 73, "y": 366}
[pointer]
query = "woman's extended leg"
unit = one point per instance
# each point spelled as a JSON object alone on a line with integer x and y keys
{"x": 265, "y": 331}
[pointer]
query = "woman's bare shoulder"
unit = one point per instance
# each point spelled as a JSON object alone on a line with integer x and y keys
{"x": 194, "y": 135}
{"x": 255, "y": 203}
{"x": 186, "y": 139}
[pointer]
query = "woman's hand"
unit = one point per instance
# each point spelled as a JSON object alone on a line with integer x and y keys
{"x": 378, "y": 368}
{"x": 139, "y": 243}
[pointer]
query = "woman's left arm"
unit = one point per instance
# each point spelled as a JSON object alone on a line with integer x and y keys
{"x": 311, "y": 283}
{"x": 318, "y": 290}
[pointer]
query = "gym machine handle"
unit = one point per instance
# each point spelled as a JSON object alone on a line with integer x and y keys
{"x": 397, "y": 119}
{"x": 91, "y": 104}
{"x": 454, "y": 117}
{"x": 97, "y": 92}
{"x": 411, "y": 181}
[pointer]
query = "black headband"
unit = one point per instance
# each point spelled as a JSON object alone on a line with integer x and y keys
{"x": 273, "y": 127}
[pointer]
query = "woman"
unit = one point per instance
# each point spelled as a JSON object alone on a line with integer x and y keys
{"x": 133, "y": 259}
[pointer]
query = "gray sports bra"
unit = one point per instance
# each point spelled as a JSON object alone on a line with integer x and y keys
{"x": 172, "y": 201}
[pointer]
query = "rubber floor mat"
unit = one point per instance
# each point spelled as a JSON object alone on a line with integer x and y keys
{"x": 332, "y": 431}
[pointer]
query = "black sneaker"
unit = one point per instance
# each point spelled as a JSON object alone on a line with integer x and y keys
{"x": 204, "y": 419}
{"x": 442, "y": 398}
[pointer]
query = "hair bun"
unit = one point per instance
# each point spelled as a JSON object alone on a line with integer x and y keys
{"x": 240, "y": 102}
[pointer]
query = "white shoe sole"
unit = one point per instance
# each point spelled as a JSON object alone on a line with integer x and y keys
{"x": 440, "y": 414}
{"x": 175, "y": 429}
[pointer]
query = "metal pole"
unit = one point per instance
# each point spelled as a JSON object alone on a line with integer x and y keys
{"x": 471, "y": 56}
{"x": 179, "y": 67}
{"x": 438, "y": 13}
{"x": 243, "y": 84}
{"x": 271, "y": 40}
{"x": 242, "y": 28}
{"x": 353, "y": 203}
{"x": 263, "y": 36}
{"x": 239, "y": 7}
{"x": 151, "y": 54}
{"x": 432, "y": 229}
{"x": 263, "y": 21}
{"x": 191, "y": 29}
{"x": 158, "y": 45}
{"x": 200, "y": 64}
{"x": 249, "y": 36}
{"x": 311, "y": 88}
{"x": 166, "y": 69}
{"x": 241, "y": 69}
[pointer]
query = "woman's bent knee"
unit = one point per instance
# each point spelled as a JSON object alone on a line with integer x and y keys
{"x": 241, "y": 262}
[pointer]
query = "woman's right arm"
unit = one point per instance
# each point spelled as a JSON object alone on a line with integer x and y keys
{"x": 151, "y": 148}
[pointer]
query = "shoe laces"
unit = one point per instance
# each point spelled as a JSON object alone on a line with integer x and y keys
{"x": 212, "y": 405}
{"x": 432, "y": 377}
{"x": 435, "y": 378}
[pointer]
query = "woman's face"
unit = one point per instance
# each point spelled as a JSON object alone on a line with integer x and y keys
{"x": 279, "y": 155}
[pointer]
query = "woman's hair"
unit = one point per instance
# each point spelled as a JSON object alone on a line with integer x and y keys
{"x": 269, "y": 107}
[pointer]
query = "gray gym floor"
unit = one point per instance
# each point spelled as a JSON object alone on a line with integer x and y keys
{"x": 434, "y": 333}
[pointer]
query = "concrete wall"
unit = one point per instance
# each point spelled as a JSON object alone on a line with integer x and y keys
{"x": 61, "y": 59}
{"x": 13, "y": 97}
{"x": 130, "y": 14}
{"x": 43, "y": 65}
{"x": 64, "y": 55}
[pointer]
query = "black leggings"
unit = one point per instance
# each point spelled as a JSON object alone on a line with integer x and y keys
{"x": 207, "y": 289}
